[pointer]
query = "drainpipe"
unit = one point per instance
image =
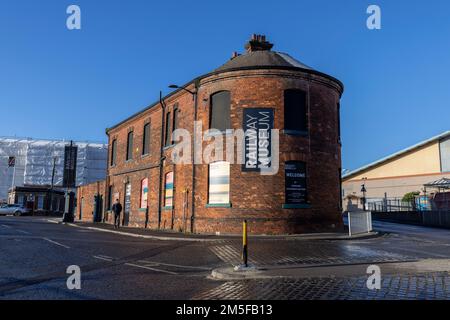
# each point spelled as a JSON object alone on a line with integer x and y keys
{"x": 197, "y": 86}
{"x": 161, "y": 158}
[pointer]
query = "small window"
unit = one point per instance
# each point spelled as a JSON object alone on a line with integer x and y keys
{"x": 220, "y": 111}
{"x": 219, "y": 183}
{"x": 168, "y": 195}
{"x": 146, "y": 139}
{"x": 130, "y": 145}
{"x": 113, "y": 152}
{"x": 168, "y": 132}
{"x": 295, "y": 110}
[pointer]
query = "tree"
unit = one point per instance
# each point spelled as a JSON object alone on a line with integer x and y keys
{"x": 410, "y": 196}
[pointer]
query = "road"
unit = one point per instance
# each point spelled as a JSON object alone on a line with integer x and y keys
{"x": 36, "y": 252}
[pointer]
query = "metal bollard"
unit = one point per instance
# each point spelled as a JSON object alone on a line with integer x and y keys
{"x": 244, "y": 244}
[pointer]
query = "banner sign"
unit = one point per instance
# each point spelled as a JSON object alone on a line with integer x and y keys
{"x": 258, "y": 123}
{"x": 127, "y": 205}
{"x": 295, "y": 182}
{"x": 11, "y": 161}
{"x": 70, "y": 166}
{"x": 144, "y": 193}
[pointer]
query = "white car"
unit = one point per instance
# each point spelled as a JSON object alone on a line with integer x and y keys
{"x": 14, "y": 209}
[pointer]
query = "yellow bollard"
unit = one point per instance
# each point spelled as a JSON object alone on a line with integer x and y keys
{"x": 244, "y": 244}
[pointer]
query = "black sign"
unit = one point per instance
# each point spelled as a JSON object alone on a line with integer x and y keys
{"x": 295, "y": 182}
{"x": 258, "y": 123}
{"x": 11, "y": 161}
{"x": 70, "y": 166}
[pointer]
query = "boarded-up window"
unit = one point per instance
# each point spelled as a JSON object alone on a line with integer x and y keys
{"x": 113, "y": 152}
{"x": 219, "y": 183}
{"x": 168, "y": 195}
{"x": 146, "y": 139}
{"x": 220, "y": 111}
{"x": 295, "y": 110}
{"x": 144, "y": 193}
{"x": 130, "y": 145}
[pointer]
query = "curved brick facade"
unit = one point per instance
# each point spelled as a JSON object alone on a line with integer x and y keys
{"x": 259, "y": 199}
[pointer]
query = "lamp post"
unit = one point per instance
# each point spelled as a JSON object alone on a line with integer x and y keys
{"x": 364, "y": 190}
{"x": 194, "y": 98}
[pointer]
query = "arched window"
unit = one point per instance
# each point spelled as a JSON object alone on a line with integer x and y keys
{"x": 220, "y": 111}
{"x": 113, "y": 152}
{"x": 146, "y": 139}
{"x": 130, "y": 145}
{"x": 219, "y": 183}
{"x": 295, "y": 110}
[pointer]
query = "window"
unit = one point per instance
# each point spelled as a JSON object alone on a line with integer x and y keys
{"x": 168, "y": 135}
{"x": 168, "y": 195}
{"x": 174, "y": 120}
{"x": 295, "y": 182}
{"x": 130, "y": 145}
{"x": 220, "y": 111}
{"x": 113, "y": 152}
{"x": 219, "y": 183}
{"x": 295, "y": 110}
{"x": 146, "y": 139}
{"x": 40, "y": 202}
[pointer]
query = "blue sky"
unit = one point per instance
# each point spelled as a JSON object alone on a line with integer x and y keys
{"x": 56, "y": 83}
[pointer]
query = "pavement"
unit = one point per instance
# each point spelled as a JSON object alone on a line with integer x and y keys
{"x": 36, "y": 252}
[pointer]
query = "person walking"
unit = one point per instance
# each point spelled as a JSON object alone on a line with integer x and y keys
{"x": 117, "y": 209}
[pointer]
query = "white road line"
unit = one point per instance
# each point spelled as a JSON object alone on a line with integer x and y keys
{"x": 57, "y": 243}
{"x": 103, "y": 258}
{"x": 148, "y": 268}
{"x": 52, "y": 221}
{"x": 4, "y": 225}
{"x": 22, "y": 231}
{"x": 174, "y": 265}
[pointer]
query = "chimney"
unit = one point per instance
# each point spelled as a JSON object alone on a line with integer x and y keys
{"x": 258, "y": 43}
{"x": 234, "y": 55}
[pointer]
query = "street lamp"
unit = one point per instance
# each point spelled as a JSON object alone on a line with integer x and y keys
{"x": 364, "y": 190}
{"x": 174, "y": 86}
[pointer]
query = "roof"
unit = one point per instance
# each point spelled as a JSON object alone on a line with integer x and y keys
{"x": 262, "y": 59}
{"x": 440, "y": 183}
{"x": 250, "y": 60}
{"x": 397, "y": 154}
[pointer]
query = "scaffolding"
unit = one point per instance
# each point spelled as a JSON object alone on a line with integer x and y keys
{"x": 34, "y": 163}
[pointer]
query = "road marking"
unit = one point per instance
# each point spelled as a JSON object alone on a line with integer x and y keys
{"x": 4, "y": 225}
{"x": 106, "y": 258}
{"x": 174, "y": 265}
{"x": 52, "y": 221}
{"x": 57, "y": 243}
{"x": 22, "y": 231}
{"x": 149, "y": 268}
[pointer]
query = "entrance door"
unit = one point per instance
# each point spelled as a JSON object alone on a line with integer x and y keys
{"x": 127, "y": 205}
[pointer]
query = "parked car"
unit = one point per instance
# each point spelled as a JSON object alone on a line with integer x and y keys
{"x": 14, "y": 209}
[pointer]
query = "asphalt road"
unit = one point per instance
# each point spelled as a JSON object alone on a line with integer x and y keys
{"x": 35, "y": 254}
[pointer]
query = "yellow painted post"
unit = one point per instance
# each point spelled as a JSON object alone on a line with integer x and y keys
{"x": 244, "y": 244}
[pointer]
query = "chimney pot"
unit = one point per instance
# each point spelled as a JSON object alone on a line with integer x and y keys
{"x": 258, "y": 43}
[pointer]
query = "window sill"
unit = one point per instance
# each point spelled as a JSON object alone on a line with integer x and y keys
{"x": 218, "y": 205}
{"x": 129, "y": 160}
{"x": 228, "y": 132}
{"x": 296, "y": 206}
{"x": 169, "y": 146}
{"x": 145, "y": 155}
{"x": 167, "y": 208}
{"x": 142, "y": 209}
{"x": 296, "y": 133}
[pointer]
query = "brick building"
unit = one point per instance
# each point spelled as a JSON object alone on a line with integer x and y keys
{"x": 277, "y": 91}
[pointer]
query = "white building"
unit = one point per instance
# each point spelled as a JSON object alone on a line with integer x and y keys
{"x": 34, "y": 163}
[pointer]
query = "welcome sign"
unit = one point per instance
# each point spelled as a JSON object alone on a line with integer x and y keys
{"x": 258, "y": 123}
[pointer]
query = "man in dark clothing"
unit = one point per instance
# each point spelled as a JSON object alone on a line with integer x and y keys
{"x": 117, "y": 209}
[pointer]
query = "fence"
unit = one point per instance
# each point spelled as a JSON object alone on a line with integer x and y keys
{"x": 359, "y": 222}
{"x": 432, "y": 218}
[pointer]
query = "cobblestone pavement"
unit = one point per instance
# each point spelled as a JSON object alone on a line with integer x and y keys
{"x": 429, "y": 286}
{"x": 307, "y": 252}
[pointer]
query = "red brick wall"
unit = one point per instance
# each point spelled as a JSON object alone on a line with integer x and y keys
{"x": 257, "y": 198}
{"x": 85, "y": 200}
